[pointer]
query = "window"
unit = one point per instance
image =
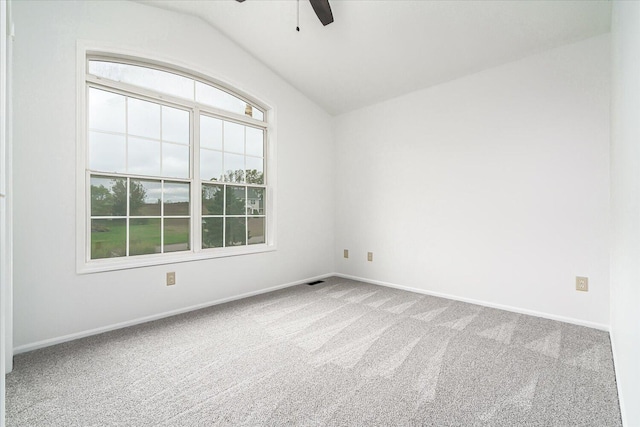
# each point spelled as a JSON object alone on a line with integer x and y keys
{"x": 174, "y": 165}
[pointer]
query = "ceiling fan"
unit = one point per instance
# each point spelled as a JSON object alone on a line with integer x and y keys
{"x": 321, "y": 8}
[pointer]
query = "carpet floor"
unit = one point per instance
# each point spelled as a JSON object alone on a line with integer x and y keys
{"x": 340, "y": 353}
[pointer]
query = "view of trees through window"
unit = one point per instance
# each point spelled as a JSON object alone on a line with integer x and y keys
{"x": 157, "y": 214}
{"x": 141, "y": 156}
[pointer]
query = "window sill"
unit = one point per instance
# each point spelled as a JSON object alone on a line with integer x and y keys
{"x": 112, "y": 264}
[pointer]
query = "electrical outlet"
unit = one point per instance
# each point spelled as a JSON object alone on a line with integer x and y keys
{"x": 369, "y": 256}
{"x": 171, "y": 278}
{"x": 346, "y": 253}
{"x": 582, "y": 284}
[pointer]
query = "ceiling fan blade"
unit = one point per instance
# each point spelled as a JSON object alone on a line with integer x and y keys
{"x": 323, "y": 10}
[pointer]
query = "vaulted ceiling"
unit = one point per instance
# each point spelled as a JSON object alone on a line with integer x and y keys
{"x": 377, "y": 49}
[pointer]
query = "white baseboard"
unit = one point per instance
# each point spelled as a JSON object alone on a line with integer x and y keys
{"x": 618, "y": 380}
{"x": 513, "y": 309}
{"x": 70, "y": 337}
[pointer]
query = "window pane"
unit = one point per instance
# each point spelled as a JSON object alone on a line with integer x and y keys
{"x": 212, "y": 232}
{"x": 233, "y": 137}
{"x": 235, "y": 204}
{"x": 143, "y": 118}
{"x": 176, "y": 234}
{"x": 108, "y": 238}
{"x": 255, "y": 170}
{"x": 175, "y": 160}
{"x": 107, "y": 152}
{"x": 233, "y": 167}
{"x": 235, "y": 231}
{"x": 217, "y": 98}
{"x": 139, "y": 157}
{"x": 144, "y": 157}
{"x": 144, "y": 236}
{"x": 212, "y": 200}
{"x": 144, "y": 197}
{"x": 255, "y": 201}
{"x": 108, "y": 196}
{"x": 210, "y": 165}
{"x": 160, "y": 81}
{"x": 256, "y": 230}
{"x": 210, "y": 133}
{"x": 255, "y": 142}
{"x": 106, "y": 111}
{"x": 176, "y": 199}
{"x": 175, "y": 125}
{"x": 257, "y": 114}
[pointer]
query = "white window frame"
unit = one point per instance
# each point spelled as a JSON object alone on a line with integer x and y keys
{"x": 84, "y": 264}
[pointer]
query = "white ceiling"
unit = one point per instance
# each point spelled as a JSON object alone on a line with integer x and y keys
{"x": 376, "y": 49}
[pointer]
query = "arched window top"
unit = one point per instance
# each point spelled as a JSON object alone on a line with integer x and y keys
{"x": 173, "y": 84}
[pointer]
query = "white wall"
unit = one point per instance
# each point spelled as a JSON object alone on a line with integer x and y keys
{"x": 493, "y": 187}
{"x": 51, "y": 300}
{"x": 625, "y": 205}
{"x": 5, "y": 223}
